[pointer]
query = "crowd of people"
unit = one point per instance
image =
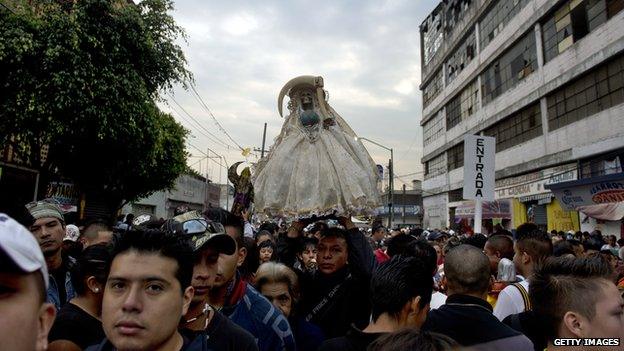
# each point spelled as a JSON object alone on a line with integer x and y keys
{"x": 215, "y": 281}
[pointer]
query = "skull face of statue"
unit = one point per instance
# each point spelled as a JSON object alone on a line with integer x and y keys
{"x": 307, "y": 100}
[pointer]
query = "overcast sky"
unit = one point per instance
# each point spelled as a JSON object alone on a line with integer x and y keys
{"x": 242, "y": 52}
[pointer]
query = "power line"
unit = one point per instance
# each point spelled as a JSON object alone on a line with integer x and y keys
{"x": 203, "y": 104}
{"x": 206, "y": 155}
{"x": 197, "y": 123}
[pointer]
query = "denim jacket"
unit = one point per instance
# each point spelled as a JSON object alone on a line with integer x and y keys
{"x": 53, "y": 293}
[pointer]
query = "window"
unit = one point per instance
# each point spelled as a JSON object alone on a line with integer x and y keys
{"x": 573, "y": 20}
{"x": 455, "y": 156}
{"x": 455, "y": 12}
{"x": 521, "y": 126}
{"x": 591, "y": 93}
{"x": 461, "y": 57}
{"x": 462, "y": 106}
{"x": 431, "y": 33}
{"x": 432, "y": 89}
{"x": 435, "y": 166}
{"x": 433, "y": 128}
{"x": 512, "y": 67}
{"x": 605, "y": 164}
{"x": 497, "y": 18}
{"x": 456, "y": 195}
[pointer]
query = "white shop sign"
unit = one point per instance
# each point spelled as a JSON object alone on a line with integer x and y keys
{"x": 479, "y": 154}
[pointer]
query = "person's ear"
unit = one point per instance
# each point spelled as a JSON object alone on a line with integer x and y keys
{"x": 242, "y": 254}
{"x": 93, "y": 285}
{"x": 573, "y": 323}
{"x": 47, "y": 312}
{"x": 525, "y": 258}
{"x": 187, "y": 297}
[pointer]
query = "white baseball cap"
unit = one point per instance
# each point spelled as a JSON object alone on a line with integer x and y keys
{"x": 72, "y": 233}
{"x": 21, "y": 247}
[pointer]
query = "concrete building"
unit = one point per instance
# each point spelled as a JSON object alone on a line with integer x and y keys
{"x": 407, "y": 206}
{"x": 543, "y": 77}
{"x": 190, "y": 190}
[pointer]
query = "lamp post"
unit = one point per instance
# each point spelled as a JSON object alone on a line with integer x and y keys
{"x": 391, "y": 183}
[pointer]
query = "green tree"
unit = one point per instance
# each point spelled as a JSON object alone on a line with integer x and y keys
{"x": 81, "y": 80}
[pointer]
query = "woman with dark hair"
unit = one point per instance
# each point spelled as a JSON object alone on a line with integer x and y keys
{"x": 279, "y": 284}
{"x": 78, "y": 323}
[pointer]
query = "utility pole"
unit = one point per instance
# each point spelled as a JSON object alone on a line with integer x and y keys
{"x": 391, "y": 190}
{"x": 403, "y": 203}
{"x": 262, "y": 150}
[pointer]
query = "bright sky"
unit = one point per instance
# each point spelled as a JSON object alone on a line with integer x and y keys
{"x": 242, "y": 53}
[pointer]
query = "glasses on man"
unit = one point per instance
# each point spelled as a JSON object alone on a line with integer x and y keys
{"x": 199, "y": 226}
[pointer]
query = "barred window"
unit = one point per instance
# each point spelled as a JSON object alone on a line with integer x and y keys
{"x": 463, "y": 105}
{"x": 461, "y": 57}
{"x": 435, "y": 166}
{"x": 433, "y": 88}
{"x": 433, "y": 128}
{"x": 512, "y": 67}
{"x": 573, "y": 20}
{"x": 497, "y": 18}
{"x": 519, "y": 127}
{"x": 455, "y": 157}
{"x": 591, "y": 93}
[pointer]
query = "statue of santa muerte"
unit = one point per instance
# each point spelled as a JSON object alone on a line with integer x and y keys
{"x": 317, "y": 167}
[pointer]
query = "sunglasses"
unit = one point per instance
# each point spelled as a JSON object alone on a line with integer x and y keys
{"x": 199, "y": 226}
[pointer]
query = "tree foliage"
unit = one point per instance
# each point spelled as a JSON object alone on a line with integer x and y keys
{"x": 82, "y": 80}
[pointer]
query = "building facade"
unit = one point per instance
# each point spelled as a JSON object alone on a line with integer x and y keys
{"x": 407, "y": 206}
{"x": 189, "y": 190}
{"x": 545, "y": 78}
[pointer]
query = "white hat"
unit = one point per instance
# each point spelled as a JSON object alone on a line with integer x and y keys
{"x": 21, "y": 247}
{"x": 72, "y": 233}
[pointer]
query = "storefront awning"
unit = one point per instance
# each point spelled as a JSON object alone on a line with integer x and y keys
{"x": 491, "y": 209}
{"x": 590, "y": 191}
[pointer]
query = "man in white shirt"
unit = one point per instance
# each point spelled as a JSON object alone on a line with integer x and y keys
{"x": 530, "y": 249}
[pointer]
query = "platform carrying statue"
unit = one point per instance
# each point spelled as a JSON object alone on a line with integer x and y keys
{"x": 317, "y": 166}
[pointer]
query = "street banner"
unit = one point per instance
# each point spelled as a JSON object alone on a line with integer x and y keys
{"x": 479, "y": 152}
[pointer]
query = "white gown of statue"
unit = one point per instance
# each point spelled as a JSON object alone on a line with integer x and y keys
{"x": 315, "y": 169}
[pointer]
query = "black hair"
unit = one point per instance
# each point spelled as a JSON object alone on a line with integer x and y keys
{"x": 319, "y": 226}
{"x": 251, "y": 262}
{"x": 227, "y": 219}
{"x": 563, "y": 247}
{"x": 467, "y": 270}
{"x": 158, "y": 242}
{"x": 593, "y": 243}
{"x": 564, "y": 284}
{"x": 394, "y": 283}
{"x": 265, "y": 244}
{"x": 399, "y": 244}
{"x": 264, "y": 233}
{"x": 503, "y": 244}
{"x": 270, "y": 227}
{"x": 525, "y": 228}
{"x": 93, "y": 261}
{"x": 535, "y": 243}
{"x": 305, "y": 243}
{"x": 415, "y": 340}
{"x": 425, "y": 251}
{"x": 334, "y": 232}
{"x": 98, "y": 224}
{"x": 476, "y": 240}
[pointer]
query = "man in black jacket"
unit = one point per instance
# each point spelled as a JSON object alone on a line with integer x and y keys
{"x": 467, "y": 316}
{"x": 337, "y": 294}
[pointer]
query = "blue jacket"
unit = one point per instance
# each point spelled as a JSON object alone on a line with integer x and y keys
{"x": 258, "y": 316}
{"x": 52, "y": 294}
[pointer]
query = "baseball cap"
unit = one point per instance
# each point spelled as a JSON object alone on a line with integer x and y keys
{"x": 21, "y": 247}
{"x": 45, "y": 208}
{"x": 202, "y": 232}
{"x": 72, "y": 233}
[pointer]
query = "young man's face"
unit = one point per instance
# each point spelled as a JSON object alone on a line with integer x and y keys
{"x": 308, "y": 256}
{"x": 332, "y": 254}
{"x": 227, "y": 264}
{"x": 204, "y": 273}
{"x": 608, "y": 321}
{"x": 49, "y": 232}
{"x": 143, "y": 302}
{"x": 24, "y": 319}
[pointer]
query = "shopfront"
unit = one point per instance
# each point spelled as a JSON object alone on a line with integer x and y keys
{"x": 532, "y": 201}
